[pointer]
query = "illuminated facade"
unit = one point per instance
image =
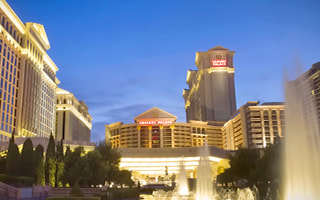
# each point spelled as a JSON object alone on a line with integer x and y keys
{"x": 156, "y": 142}
{"x": 151, "y": 165}
{"x": 74, "y": 122}
{"x": 310, "y": 81}
{"x": 28, "y": 78}
{"x": 157, "y": 128}
{"x": 254, "y": 126}
{"x": 211, "y": 93}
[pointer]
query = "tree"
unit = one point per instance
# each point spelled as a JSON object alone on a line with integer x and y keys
{"x": 59, "y": 164}
{"x": 50, "y": 164}
{"x": 51, "y": 148}
{"x": 3, "y": 160}
{"x": 27, "y": 159}
{"x": 124, "y": 178}
{"x": 111, "y": 158}
{"x": 76, "y": 191}
{"x": 97, "y": 168}
{"x": 243, "y": 163}
{"x": 76, "y": 167}
{"x": 39, "y": 178}
{"x": 13, "y": 158}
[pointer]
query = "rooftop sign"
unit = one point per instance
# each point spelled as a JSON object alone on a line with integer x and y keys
{"x": 154, "y": 122}
{"x": 219, "y": 63}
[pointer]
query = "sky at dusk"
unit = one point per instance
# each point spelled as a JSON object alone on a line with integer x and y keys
{"x": 123, "y": 57}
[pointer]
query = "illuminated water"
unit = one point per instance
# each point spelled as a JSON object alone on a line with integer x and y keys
{"x": 183, "y": 188}
{"x": 302, "y": 145}
{"x": 204, "y": 188}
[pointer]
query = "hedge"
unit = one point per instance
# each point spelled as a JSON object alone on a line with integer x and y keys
{"x": 16, "y": 180}
{"x": 73, "y": 198}
{"x": 121, "y": 193}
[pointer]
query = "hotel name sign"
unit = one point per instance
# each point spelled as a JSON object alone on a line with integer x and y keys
{"x": 218, "y": 62}
{"x": 154, "y": 122}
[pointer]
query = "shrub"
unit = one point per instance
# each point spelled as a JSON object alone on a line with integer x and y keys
{"x": 76, "y": 191}
{"x": 121, "y": 193}
{"x": 73, "y": 198}
{"x": 16, "y": 180}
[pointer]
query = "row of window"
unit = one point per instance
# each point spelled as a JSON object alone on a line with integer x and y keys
{"x": 10, "y": 28}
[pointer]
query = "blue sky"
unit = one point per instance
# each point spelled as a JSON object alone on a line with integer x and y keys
{"x": 123, "y": 57}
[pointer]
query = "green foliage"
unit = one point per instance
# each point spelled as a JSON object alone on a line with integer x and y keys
{"x": 51, "y": 149}
{"x": 76, "y": 191}
{"x": 16, "y": 180}
{"x": 73, "y": 198}
{"x": 27, "y": 159}
{"x": 3, "y": 160}
{"x": 124, "y": 178}
{"x": 59, "y": 164}
{"x": 97, "y": 168}
{"x": 59, "y": 173}
{"x": 50, "y": 164}
{"x": 59, "y": 153}
{"x": 122, "y": 193}
{"x": 110, "y": 157}
{"x": 248, "y": 164}
{"x": 76, "y": 167}
{"x": 13, "y": 159}
{"x": 243, "y": 162}
{"x": 39, "y": 178}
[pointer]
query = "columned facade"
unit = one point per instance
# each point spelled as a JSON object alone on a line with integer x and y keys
{"x": 28, "y": 78}
{"x": 74, "y": 122}
{"x": 254, "y": 126}
{"x": 157, "y": 128}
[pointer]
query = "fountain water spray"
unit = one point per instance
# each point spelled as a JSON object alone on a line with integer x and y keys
{"x": 183, "y": 189}
{"x": 204, "y": 188}
{"x": 302, "y": 143}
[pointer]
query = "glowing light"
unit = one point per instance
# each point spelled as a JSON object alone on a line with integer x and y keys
{"x": 219, "y": 63}
{"x": 154, "y": 122}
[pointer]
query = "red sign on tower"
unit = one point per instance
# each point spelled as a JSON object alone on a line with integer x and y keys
{"x": 219, "y": 63}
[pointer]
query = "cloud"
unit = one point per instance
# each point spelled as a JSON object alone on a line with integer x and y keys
{"x": 109, "y": 115}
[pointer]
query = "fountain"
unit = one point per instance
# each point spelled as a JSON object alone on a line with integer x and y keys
{"x": 204, "y": 188}
{"x": 183, "y": 188}
{"x": 302, "y": 144}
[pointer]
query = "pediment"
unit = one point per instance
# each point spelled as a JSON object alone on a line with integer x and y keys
{"x": 42, "y": 33}
{"x": 155, "y": 113}
{"x": 218, "y": 48}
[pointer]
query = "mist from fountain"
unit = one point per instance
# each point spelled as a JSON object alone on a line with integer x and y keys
{"x": 302, "y": 144}
{"x": 183, "y": 188}
{"x": 204, "y": 188}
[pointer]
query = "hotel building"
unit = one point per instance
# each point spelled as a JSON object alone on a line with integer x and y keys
{"x": 157, "y": 128}
{"x": 211, "y": 93}
{"x": 74, "y": 122}
{"x": 155, "y": 141}
{"x": 254, "y": 126}
{"x": 310, "y": 81}
{"x": 27, "y": 81}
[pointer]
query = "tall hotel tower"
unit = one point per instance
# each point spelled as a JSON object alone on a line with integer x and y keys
{"x": 27, "y": 78}
{"x": 211, "y": 93}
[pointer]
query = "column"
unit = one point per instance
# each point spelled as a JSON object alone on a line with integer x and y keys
{"x": 150, "y": 136}
{"x": 263, "y": 128}
{"x": 139, "y": 136}
{"x": 279, "y": 123}
{"x": 172, "y": 135}
{"x": 270, "y": 125}
{"x": 161, "y": 136}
